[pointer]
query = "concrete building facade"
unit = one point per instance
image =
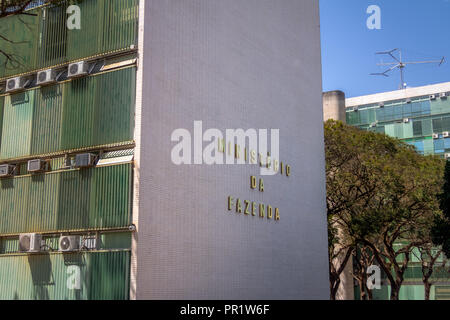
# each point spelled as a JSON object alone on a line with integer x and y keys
{"x": 231, "y": 64}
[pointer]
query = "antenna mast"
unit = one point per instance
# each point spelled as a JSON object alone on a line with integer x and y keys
{"x": 400, "y": 65}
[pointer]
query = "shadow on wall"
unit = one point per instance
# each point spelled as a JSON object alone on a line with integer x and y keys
{"x": 42, "y": 276}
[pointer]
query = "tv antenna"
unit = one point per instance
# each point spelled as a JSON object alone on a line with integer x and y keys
{"x": 400, "y": 65}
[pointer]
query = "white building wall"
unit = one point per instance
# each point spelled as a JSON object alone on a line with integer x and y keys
{"x": 398, "y": 94}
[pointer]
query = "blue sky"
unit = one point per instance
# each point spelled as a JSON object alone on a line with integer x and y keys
{"x": 421, "y": 28}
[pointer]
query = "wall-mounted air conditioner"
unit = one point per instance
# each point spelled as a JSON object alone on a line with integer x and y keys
{"x": 30, "y": 242}
{"x": 6, "y": 170}
{"x": 433, "y": 97}
{"x": 36, "y": 165}
{"x": 16, "y": 84}
{"x": 406, "y": 120}
{"x": 78, "y": 69}
{"x": 46, "y": 77}
{"x": 408, "y": 100}
{"x": 435, "y": 136}
{"x": 447, "y": 156}
{"x": 381, "y": 104}
{"x": 69, "y": 243}
{"x": 85, "y": 160}
{"x": 444, "y": 95}
{"x": 446, "y": 134}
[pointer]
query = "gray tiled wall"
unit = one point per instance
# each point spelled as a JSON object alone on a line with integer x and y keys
{"x": 232, "y": 64}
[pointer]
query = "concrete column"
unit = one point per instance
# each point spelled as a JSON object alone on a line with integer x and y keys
{"x": 334, "y": 105}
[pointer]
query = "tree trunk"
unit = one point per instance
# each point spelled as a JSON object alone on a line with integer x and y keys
{"x": 362, "y": 289}
{"x": 334, "y": 287}
{"x": 335, "y": 275}
{"x": 395, "y": 290}
{"x": 427, "y": 290}
{"x": 369, "y": 295}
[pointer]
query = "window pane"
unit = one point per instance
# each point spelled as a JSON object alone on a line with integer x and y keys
{"x": 426, "y": 127}
{"x": 437, "y": 125}
{"x": 417, "y": 128}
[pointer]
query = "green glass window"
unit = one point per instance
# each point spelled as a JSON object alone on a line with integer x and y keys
{"x": 90, "y": 111}
{"x": 427, "y": 129}
{"x": 446, "y": 124}
{"x": 364, "y": 116}
{"x": 96, "y": 198}
{"x": 437, "y": 125}
{"x": 43, "y": 40}
{"x": 417, "y": 128}
{"x": 104, "y": 276}
{"x": 380, "y": 114}
{"x": 353, "y": 118}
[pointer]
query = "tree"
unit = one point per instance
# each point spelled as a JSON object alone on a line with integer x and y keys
{"x": 440, "y": 232}
{"x": 339, "y": 255}
{"x": 381, "y": 194}
{"x": 13, "y": 7}
{"x": 429, "y": 258}
{"x": 339, "y": 199}
{"x": 363, "y": 259}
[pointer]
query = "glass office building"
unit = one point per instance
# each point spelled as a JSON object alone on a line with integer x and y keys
{"x": 422, "y": 121}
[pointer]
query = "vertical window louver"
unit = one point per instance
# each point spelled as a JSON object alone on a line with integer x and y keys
{"x": 53, "y": 44}
{"x": 41, "y": 38}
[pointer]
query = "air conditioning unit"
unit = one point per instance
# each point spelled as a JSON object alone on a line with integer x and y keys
{"x": 433, "y": 97}
{"x": 69, "y": 243}
{"x": 373, "y": 125}
{"x": 30, "y": 242}
{"x": 355, "y": 109}
{"x": 446, "y": 134}
{"x": 408, "y": 100}
{"x": 36, "y": 165}
{"x": 444, "y": 95}
{"x": 435, "y": 136}
{"x": 6, "y": 170}
{"x": 77, "y": 69}
{"x": 447, "y": 156}
{"x": 381, "y": 104}
{"x": 85, "y": 160}
{"x": 46, "y": 77}
{"x": 16, "y": 84}
{"x": 406, "y": 120}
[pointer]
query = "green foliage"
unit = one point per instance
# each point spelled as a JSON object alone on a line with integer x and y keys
{"x": 441, "y": 227}
{"x": 381, "y": 194}
{"x": 445, "y": 196}
{"x": 379, "y": 184}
